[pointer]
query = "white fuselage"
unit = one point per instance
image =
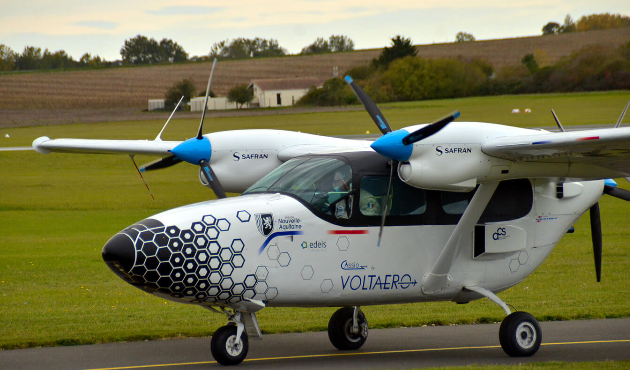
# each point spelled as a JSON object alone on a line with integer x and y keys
{"x": 306, "y": 261}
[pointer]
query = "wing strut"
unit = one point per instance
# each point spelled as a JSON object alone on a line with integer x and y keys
{"x": 437, "y": 278}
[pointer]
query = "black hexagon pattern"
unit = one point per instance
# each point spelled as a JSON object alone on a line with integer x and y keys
{"x": 192, "y": 265}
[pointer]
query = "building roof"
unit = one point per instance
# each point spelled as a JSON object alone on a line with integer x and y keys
{"x": 297, "y": 83}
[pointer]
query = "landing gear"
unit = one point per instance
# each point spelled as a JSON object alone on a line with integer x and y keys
{"x": 520, "y": 334}
{"x": 230, "y": 343}
{"x": 226, "y": 348}
{"x": 348, "y": 328}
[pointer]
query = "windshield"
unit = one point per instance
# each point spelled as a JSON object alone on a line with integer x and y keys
{"x": 318, "y": 181}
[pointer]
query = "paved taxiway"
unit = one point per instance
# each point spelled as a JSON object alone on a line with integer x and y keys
{"x": 589, "y": 340}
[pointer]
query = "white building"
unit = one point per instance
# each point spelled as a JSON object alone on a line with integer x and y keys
{"x": 281, "y": 92}
{"x": 156, "y": 104}
{"x": 218, "y": 103}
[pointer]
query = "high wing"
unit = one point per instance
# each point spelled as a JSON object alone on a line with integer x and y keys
{"x": 606, "y": 148}
{"x": 238, "y": 158}
{"x": 46, "y": 145}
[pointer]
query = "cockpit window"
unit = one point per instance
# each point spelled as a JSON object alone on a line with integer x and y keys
{"x": 324, "y": 183}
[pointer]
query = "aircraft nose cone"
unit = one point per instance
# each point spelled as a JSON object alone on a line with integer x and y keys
{"x": 120, "y": 250}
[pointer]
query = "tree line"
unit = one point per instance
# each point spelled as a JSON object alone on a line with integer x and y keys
{"x": 399, "y": 75}
{"x": 587, "y": 23}
{"x": 141, "y": 50}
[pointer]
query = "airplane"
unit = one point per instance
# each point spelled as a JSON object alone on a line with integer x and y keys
{"x": 447, "y": 211}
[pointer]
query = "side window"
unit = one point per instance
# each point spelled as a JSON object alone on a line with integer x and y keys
{"x": 404, "y": 200}
{"x": 454, "y": 203}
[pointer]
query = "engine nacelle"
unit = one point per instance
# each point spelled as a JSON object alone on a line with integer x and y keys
{"x": 454, "y": 167}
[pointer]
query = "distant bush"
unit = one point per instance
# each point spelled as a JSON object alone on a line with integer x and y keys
{"x": 335, "y": 91}
{"x": 184, "y": 88}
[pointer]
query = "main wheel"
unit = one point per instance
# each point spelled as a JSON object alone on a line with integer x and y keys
{"x": 341, "y": 333}
{"x": 520, "y": 334}
{"x": 224, "y": 347}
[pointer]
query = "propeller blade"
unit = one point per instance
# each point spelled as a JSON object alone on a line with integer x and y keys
{"x": 160, "y": 163}
{"x": 429, "y": 130}
{"x": 389, "y": 190}
{"x": 205, "y": 106}
{"x": 617, "y": 192}
{"x": 596, "y": 235}
{"x": 212, "y": 179}
{"x": 370, "y": 106}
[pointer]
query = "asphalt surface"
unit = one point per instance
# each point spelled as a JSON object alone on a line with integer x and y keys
{"x": 568, "y": 341}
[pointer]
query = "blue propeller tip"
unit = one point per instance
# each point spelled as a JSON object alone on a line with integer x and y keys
{"x": 610, "y": 182}
{"x": 348, "y": 79}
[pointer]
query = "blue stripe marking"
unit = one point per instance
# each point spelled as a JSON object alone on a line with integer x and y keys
{"x": 382, "y": 125}
{"x": 275, "y": 235}
{"x": 208, "y": 173}
{"x": 542, "y": 142}
{"x": 349, "y": 79}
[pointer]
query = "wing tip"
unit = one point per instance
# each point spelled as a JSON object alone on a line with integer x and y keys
{"x": 37, "y": 145}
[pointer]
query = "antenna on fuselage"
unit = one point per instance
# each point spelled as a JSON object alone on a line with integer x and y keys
{"x": 622, "y": 115}
{"x": 557, "y": 121}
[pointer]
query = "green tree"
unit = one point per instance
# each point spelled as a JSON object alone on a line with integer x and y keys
{"x": 464, "y": 37}
{"x": 169, "y": 52}
{"x": 602, "y": 21}
{"x": 245, "y": 48}
{"x": 568, "y": 26}
{"x": 401, "y": 47}
{"x": 240, "y": 94}
{"x": 30, "y": 59}
{"x": 415, "y": 78}
{"x": 530, "y": 62}
{"x": 319, "y": 46}
{"x": 340, "y": 43}
{"x": 57, "y": 60}
{"x": 550, "y": 28}
{"x": 334, "y": 92}
{"x": 7, "y": 58}
{"x": 335, "y": 43}
{"x": 185, "y": 88}
{"x": 140, "y": 50}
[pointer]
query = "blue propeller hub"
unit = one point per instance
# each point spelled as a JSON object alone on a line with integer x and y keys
{"x": 391, "y": 146}
{"x": 193, "y": 150}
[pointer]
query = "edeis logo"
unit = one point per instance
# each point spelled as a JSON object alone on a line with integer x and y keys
{"x": 314, "y": 245}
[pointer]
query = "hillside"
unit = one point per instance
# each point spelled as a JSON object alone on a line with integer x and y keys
{"x": 121, "y": 93}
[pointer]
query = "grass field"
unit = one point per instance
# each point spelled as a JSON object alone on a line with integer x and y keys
{"x": 57, "y": 211}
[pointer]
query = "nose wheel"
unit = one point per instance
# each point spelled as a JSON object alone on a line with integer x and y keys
{"x": 348, "y": 328}
{"x": 226, "y": 348}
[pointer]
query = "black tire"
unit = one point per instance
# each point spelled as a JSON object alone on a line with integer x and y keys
{"x": 223, "y": 349}
{"x": 520, "y": 335}
{"x": 339, "y": 329}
